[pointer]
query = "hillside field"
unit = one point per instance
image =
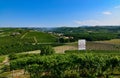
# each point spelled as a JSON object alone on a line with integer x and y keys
{"x": 91, "y": 45}
{"x": 14, "y": 40}
{"x": 20, "y": 56}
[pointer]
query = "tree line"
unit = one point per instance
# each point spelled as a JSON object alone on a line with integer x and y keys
{"x": 89, "y": 33}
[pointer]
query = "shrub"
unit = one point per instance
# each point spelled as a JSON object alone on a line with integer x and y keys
{"x": 47, "y": 50}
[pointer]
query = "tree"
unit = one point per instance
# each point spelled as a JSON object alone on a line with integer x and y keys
{"x": 46, "y": 50}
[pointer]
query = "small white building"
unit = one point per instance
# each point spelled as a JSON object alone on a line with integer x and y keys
{"x": 82, "y": 44}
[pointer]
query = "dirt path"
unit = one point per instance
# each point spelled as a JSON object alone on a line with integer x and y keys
{"x": 62, "y": 49}
{"x": 5, "y": 61}
{"x": 30, "y": 52}
{"x": 35, "y": 39}
{"x": 17, "y": 74}
{"x": 24, "y": 35}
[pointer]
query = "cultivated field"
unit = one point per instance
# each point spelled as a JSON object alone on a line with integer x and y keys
{"x": 94, "y": 45}
{"x": 25, "y": 48}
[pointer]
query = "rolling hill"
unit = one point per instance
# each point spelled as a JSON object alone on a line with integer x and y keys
{"x": 21, "y": 40}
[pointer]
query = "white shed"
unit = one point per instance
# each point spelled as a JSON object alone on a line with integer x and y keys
{"x": 82, "y": 44}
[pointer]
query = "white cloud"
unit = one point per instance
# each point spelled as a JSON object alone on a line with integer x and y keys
{"x": 107, "y": 13}
{"x": 88, "y": 22}
{"x": 117, "y": 6}
{"x": 97, "y": 22}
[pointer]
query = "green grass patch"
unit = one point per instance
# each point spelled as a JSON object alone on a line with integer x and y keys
{"x": 41, "y": 37}
{"x": 2, "y": 58}
{"x": 4, "y": 75}
{"x": 17, "y": 40}
{"x": 97, "y": 52}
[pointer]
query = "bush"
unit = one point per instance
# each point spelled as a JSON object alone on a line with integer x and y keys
{"x": 47, "y": 50}
{"x": 12, "y": 56}
{"x": 6, "y": 68}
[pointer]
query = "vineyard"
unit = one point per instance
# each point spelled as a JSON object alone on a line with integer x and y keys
{"x": 39, "y": 37}
{"x": 72, "y": 64}
{"x": 26, "y": 53}
{"x": 2, "y": 58}
{"x": 68, "y": 65}
{"x": 21, "y": 40}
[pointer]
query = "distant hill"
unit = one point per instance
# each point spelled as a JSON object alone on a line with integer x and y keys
{"x": 90, "y": 33}
{"x": 87, "y": 29}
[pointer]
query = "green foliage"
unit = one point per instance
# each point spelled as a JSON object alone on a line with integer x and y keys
{"x": 90, "y": 33}
{"x": 35, "y": 70}
{"x": 5, "y": 68}
{"x": 92, "y": 36}
{"x": 12, "y": 56}
{"x": 17, "y": 48}
{"x": 18, "y": 56}
{"x": 68, "y": 65}
{"x": 97, "y": 52}
{"x": 2, "y": 58}
{"x": 13, "y": 40}
{"x": 47, "y": 50}
{"x": 41, "y": 37}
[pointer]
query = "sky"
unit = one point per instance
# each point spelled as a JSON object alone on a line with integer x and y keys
{"x": 57, "y": 13}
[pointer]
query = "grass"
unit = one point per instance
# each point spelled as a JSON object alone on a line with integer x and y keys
{"x": 102, "y": 46}
{"x": 95, "y": 52}
{"x": 41, "y": 37}
{"x": 115, "y": 72}
{"x": 4, "y": 75}
{"x": 9, "y": 42}
{"x": 113, "y": 41}
{"x": 2, "y": 58}
{"x": 25, "y": 35}
{"x": 89, "y": 46}
{"x": 68, "y": 46}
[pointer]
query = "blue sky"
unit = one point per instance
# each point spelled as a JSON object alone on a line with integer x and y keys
{"x": 56, "y": 13}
